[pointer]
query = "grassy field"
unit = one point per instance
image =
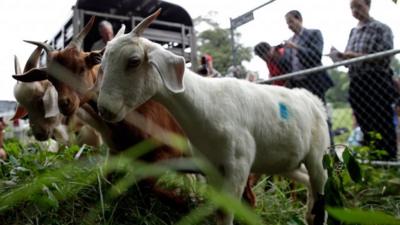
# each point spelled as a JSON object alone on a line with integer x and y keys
{"x": 342, "y": 118}
{"x": 40, "y": 187}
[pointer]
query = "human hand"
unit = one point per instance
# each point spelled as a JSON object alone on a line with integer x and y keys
{"x": 335, "y": 54}
{"x": 289, "y": 44}
{"x": 350, "y": 54}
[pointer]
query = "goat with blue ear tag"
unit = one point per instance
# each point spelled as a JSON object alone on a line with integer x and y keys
{"x": 269, "y": 129}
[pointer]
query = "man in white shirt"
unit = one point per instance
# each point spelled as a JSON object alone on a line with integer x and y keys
{"x": 106, "y": 33}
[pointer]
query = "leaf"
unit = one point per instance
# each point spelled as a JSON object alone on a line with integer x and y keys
{"x": 296, "y": 221}
{"x": 327, "y": 161}
{"x": 346, "y": 156}
{"x": 51, "y": 199}
{"x": 353, "y": 168}
{"x": 332, "y": 193}
{"x": 358, "y": 216}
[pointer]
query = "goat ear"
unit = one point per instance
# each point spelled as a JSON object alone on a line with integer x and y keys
{"x": 94, "y": 58}
{"x": 121, "y": 31}
{"x": 170, "y": 67}
{"x": 20, "y": 112}
{"x": 139, "y": 29}
{"x": 36, "y": 74}
{"x": 50, "y": 103}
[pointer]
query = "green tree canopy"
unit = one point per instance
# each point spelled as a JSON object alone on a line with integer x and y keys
{"x": 216, "y": 41}
{"x": 338, "y": 93}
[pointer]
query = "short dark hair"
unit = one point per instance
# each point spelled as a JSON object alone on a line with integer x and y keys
{"x": 261, "y": 48}
{"x": 296, "y": 14}
{"x": 368, "y": 2}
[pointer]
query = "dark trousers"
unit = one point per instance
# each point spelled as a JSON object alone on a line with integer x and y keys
{"x": 371, "y": 97}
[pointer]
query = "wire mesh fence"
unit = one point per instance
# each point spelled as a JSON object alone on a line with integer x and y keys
{"x": 363, "y": 109}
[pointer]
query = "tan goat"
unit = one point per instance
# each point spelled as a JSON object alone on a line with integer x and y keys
{"x": 38, "y": 100}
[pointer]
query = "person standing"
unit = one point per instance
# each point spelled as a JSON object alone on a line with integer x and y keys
{"x": 207, "y": 68}
{"x": 305, "y": 50}
{"x": 372, "y": 92}
{"x": 106, "y": 32}
{"x": 276, "y": 58}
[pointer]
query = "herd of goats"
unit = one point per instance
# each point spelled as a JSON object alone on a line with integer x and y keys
{"x": 240, "y": 128}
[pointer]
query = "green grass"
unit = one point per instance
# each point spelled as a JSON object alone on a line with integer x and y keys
{"x": 39, "y": 187}
{"x": 342, "y": 118}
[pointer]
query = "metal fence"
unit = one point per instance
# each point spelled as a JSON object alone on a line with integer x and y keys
{"x": 363, "y": 110}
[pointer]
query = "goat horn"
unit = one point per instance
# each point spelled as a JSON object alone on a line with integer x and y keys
{"x": 121, "y": 31}
{"x": 17, "y": 66}
{"x": 33, "y": 59}
{"x": 78, "y": 40}
{"x": 139, "y": 29}
{"x": 45, "y": 46}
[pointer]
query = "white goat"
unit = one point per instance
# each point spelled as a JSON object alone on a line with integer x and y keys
{"x": 240, "y": 127}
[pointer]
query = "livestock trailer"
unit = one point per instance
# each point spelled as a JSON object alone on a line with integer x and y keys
{"x": 173, "y": 28}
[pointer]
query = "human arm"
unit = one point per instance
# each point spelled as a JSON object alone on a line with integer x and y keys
{"x": 309, "y": 47}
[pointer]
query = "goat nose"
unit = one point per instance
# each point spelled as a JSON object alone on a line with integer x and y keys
{"x": 42, "y": 136}
{"x": 105, "y": 114}
{"x": 64, "y": 102}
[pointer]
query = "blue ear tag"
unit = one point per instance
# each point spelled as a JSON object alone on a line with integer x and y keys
{"x": 283, "y": 111}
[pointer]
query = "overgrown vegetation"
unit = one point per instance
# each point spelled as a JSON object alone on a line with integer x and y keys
{"x": 40, "y": 187}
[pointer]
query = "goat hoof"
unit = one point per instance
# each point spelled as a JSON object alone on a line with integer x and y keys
{"x": 319, "y": 210}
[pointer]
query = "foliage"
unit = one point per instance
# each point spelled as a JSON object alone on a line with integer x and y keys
{"x": 395, "y": 65}
{"x": 40, "y": 187}
{"x": 356, "y": 216}
{"x": 351, "y": 184}
{"x": 216, "y": 41}
{"x": 338, "y": 93}
{"x": 96, "y": 189}
{"x": 342, "y": 119}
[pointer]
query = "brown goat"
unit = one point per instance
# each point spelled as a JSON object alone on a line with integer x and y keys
{"x": 38, "y": 100}
{"x": 83, "y": 68}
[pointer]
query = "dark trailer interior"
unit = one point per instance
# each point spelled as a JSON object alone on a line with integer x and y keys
{"x": 173, "y": 29}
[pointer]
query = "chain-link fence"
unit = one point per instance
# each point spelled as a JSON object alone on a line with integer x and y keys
{"x": 363, "y": 109}
{"x": 360, "y": 93}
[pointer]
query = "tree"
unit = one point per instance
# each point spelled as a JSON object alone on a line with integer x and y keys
{"x": 216, "y": 42}
{"x": 395, "y": 64}
{"x": 338, "y": 93}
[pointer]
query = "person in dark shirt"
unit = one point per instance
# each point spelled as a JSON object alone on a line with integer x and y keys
{"x": 305, "y": 50}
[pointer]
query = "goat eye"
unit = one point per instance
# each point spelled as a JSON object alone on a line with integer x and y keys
{"x": 133, "y": 62}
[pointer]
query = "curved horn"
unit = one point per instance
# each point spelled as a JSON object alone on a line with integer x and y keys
{"x": 33, "y": 59}
{"x": 139, "y": 29}
{"x": 17, "y": 66}
{"x": 78, "y": 40}
{"x": 45, "y": 46}
{"x": 121, "y": 31}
